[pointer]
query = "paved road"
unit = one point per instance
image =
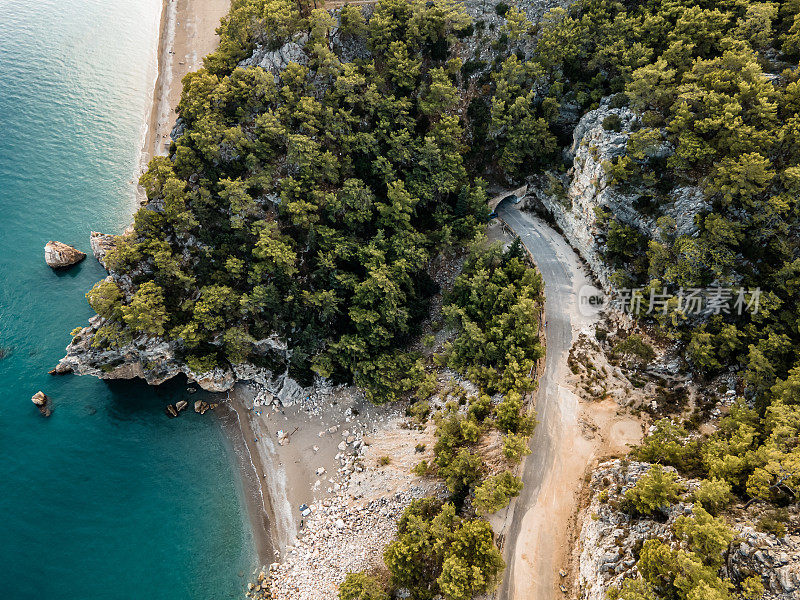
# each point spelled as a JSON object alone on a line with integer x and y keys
{"x": 536, "y": 537}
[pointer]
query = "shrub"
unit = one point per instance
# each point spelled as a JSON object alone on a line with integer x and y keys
{"x": 654, "y": 491}
{"x": 618, "y": 101}
{"x": 774, "y": 522}
{"x": 713, "y": 494}
{"x": 360, "y": 586}
{"x": 612, "y": 122}
{"x": 437, "y": 552}
{"x": 496, "y": 492}
{"x": 635, "y": 346}
{"x": 706, "y": 536}
{"x": 501, "y": 8}
{"x": 515, "y": 446}
{"x": 753, "y": 587}
{"x": 421, "y": 469}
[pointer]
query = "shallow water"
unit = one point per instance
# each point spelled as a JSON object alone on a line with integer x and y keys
{"x": 106, "y": 498}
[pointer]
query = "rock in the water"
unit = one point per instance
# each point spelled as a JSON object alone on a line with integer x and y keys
{"x": 61, "y": 369}
{"x": 181, "y": 405}
{"x": 42, "y": 402}
{"x": 101, "y": 243}
{"x": 171, "y": 411}
{"x": 58, "y": 255}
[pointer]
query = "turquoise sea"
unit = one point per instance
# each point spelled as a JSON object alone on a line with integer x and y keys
{"x": 107, "y": 498}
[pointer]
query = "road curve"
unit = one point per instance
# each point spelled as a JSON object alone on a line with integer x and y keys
{"x": 536, "y": 534}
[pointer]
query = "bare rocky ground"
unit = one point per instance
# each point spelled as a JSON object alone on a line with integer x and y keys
{"x": 352, "y": 505}
{"x": 609, "y": 538}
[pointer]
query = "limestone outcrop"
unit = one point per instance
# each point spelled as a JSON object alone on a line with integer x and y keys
{"x": 156, "y": 360}
{"x": 101, "y": 243}
{"x": 275, "y": 61}
{"x": 573, "y": 199}
{"x": 609, "y": 539}
{"x": 58, "y": 255}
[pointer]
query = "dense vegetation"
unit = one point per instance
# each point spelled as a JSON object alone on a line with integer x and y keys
{"x": 306, "y": 207}
{"x": 445, "y": 548}
{"x": 695, "y": 74}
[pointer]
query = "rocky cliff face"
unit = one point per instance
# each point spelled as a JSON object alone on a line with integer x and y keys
{"x": 101, "y": 244}
{"x": 573, "y": 199}
{"x": 156, "y": 360}
{"x": 608, "y": 539}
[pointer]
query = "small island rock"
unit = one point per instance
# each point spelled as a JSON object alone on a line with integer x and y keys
{"x": 58, "y": 255}
{"x": 42, "y": 402}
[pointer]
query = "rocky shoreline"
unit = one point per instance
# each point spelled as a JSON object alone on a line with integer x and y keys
{"x": 321, "y": 460}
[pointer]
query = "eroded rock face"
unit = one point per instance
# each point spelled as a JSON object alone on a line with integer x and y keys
{"x": 58, "y": 255}
{"x": 101, "y": 243}
{"x": 608, "y": 539}
{"x": 573, "y": 199}
{"x": 156, "y": 360}
{"x": 275, "y": 61}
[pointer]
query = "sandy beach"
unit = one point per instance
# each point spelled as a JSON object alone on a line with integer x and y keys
{"x": 187, "y": 34}
{"x": 346, "y": 462}
{"x": 302, "y": 469}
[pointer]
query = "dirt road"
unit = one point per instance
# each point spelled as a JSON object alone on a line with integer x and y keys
{"x": 537, "y": 536}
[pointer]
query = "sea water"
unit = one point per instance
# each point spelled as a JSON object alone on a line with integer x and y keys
{"x": 107, "y": 498}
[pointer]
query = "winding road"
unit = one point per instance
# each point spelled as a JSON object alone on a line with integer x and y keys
{"x": 537, "y": 528}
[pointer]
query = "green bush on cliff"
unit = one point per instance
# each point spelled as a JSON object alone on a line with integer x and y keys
{"x": 654, "y": 491}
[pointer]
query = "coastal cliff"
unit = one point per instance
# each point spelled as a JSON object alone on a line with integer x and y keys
{"x": 157, "y": 360}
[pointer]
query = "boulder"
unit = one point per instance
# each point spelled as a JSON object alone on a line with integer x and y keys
{"x": 58, "y": 255}
{"x": 275, "y": 61}
{"x": 181, "y": 405}
{"x": 101, "y": 243}
{"x": 290, "y": 393}
{"x": 171, "y": 411}
{"x": 61, "y": 369}
{"x": 42, "y": 402}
